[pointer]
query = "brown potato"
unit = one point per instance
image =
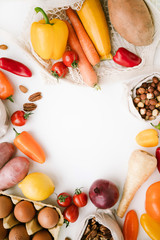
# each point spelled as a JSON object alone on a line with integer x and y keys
{"x": 132, "y": 20}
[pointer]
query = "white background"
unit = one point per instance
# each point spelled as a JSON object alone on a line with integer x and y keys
{"x": 86, "y": 134}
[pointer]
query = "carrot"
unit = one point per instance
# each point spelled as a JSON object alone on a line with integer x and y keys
{"x": 141, "y": 165}
{"x": 83, "y": 37}
{"x": 131, "y": 226}
{"x": 88, "y": 74}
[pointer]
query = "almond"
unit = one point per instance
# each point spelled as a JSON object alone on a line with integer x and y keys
{"x": 3, "y": 47}
{"x": 23, "y": 89}
{"x": 28, "y": 107}
{"x": 35, "y": 97}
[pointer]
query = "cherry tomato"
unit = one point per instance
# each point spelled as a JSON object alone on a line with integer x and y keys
{"x": 152, "y": 203}
{"x": 19, "y": 118}
{"x": 70, "y": 59}
{"x": 59, "y": 70}
{"x": 64, "y": 199}
{"x": 71, "y": 214}
{"x": 80, "y": 198}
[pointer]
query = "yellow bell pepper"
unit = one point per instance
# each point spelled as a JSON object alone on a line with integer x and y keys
{"x": 49, "y": 38}
{"x": 94, "y": 21}
{"x": 150, "y": 226}
{"x": 147, "y": 138}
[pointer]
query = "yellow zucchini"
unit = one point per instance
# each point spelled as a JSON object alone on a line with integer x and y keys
{"x": 94, "y": 21}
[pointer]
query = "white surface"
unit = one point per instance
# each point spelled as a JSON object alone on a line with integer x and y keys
{"x": 86, "y": 134}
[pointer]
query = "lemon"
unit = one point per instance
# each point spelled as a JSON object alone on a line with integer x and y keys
{"x": 37, "y": 186}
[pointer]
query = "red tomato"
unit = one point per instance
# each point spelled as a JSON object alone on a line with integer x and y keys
{"x": 19, "y": 118}
{"x": 80, "y": 198}
{"x": 152, "y": 203}
{"x": 71, "y": 214}
{"x": 64, "y": 199}
{"x": 59, "y": 70}
{"x": 70, "y": 59}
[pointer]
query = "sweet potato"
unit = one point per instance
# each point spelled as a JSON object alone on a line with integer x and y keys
{"x": 132, "y": 20}
{"x": 6, "y": 152}
{"x": 13, "y": 172}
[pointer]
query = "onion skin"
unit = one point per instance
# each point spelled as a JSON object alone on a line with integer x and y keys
{"x": 103, "y": 194}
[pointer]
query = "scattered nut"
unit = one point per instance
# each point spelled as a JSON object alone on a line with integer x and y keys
{"x": 28, "y": 107}
{"x": 155, "y": 113}
{"x": 23, "y": 89}
{"x": 35, "y": 97}
{"x": 140, "y": 105}
{"x": 150, "y": 95}
{"x": 3, "y": 47}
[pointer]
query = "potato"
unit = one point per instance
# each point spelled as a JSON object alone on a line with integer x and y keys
{"x": 13, "y": 172}
{"x": 132, "y": 20}
{"x": 6, "y": 152}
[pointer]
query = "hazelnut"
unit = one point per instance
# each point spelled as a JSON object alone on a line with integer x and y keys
{"x": 153, "y": 101}
{"x": 158, "y": 86}
{"x": 147, "y": 102}
{"x": 150, "y": 89}
{"x": 141, "y": 90}
{"x": 147, "y": 107}
{"x": 140, "y": 105}
{"x": 158, "y": 105}
{"x": 150, "y": 95}
{"x": 155, "y": 112}
{"x": 144, "y": 85}
{"x": 156, "y": 93}
{"x": 149, "y": 113}
{"x": 153, "y": 85}
{"x": 143, "y": 96}
{"x": 136, "y": 100}
{"x": 155, "y": 80}
{"x": 137, "y": 91}
{"x": 142, "y": 111}
{"x": 151, "y": 107}
{"x": 151, "y": 118}
{"x": 158, "y": 98}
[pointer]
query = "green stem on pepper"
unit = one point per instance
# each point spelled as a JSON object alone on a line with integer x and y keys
{"x": 38, "y": 9}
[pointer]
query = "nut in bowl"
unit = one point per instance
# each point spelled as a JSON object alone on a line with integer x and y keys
{"x": 143, "y": 95}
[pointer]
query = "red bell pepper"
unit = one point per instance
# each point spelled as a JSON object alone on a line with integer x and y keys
{"x": 158, "y": 158}
{"x": 126, "y": 58}
{"x": 15, "y": 67}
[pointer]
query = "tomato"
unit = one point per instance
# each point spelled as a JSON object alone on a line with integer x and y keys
{"x": 64, "y": 199}
{"x": 152, "y": 203}
{"x": 71, "y": 214}
{"x": 59, "y": 70}
{"x": 80, "y": 198}
{"x": 19, "y": 118}
{"x": 70, "y": 59}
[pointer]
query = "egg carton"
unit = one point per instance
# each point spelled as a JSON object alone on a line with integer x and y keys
{"x": 33, "y": 226}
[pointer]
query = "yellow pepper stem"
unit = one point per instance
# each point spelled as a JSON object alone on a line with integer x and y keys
{"x": 38, "y": 9}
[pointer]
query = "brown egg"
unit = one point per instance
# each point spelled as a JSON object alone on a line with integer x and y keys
{"x": 48, "y": 217}
{"x": 24, "y": 211}
{"x": 42, "y": 235}
{"x": 6, "y": 206}
{"x": 19, "y": 232}
{"x": 3, "y": 231}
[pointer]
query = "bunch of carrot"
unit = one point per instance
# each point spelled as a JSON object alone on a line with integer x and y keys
{"x": 80, "y": 42}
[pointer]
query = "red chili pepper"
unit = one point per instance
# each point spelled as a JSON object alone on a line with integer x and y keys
{"x": 15, "y": 67}
{"x": 158, "y": 158}
{"x": 126, "y": 58}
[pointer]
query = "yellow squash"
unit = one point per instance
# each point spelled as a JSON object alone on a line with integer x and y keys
{"x": 49, "y": 38}
{"x": 94, "y": 21}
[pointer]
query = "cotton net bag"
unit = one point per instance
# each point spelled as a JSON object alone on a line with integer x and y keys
{"x": 106, "y": 70}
